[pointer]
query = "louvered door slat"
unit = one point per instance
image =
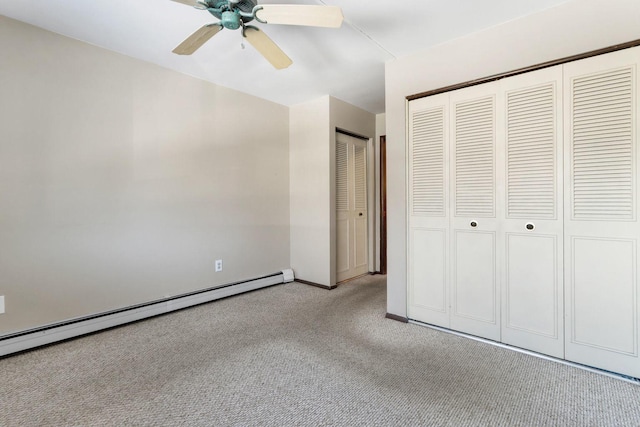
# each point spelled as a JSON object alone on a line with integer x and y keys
{"x": 428, "y": 163}
{"x": 342, "y": 177}
{"x": 474, "y": 146}
{"x": 530, "y": 152}
{"x": 360, "y": 178}
{"x": 602, "y": 146}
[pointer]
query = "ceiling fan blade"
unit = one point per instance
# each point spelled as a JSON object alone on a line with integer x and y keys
{"x": 197, "y": 39}
{"x": 299, "y": 14}
{"x": 267, "y": 48}
{"x": 188, "y": 2}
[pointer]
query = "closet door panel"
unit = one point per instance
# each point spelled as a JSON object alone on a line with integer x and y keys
{"x": 351, "y": 207}
{"x": 429, "y": 211}
{"x": 343, "y": 225}
{"x": 531, "y": 168}
{"x": 475, "y": 290}
{"x": 601, "y": 216}
{"x": 360, "y": 216}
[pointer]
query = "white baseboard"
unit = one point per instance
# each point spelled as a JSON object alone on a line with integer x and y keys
{"x": 615, "y": 375}
{"x": 82, "y": 326}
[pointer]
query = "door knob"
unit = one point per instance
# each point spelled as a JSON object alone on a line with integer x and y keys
{"x": 473, "y": 224}
{"x": 530, "y": 226}
{"x": 360, "y": 214}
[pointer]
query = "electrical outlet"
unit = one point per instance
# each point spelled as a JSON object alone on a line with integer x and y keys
{"x": 218, "y": 265}
{"x": 2, "y": 304}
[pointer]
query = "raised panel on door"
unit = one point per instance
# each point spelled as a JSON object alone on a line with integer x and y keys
{"x": 428, "y": 301}
{"x": 532, "y": 230}
{"x": 475, "y": 290}
{"x": 603, "y": 294}
{"x": 343, "y": 232}
{"x": 360, "y": 237}
{"x": 601, "y": 218}
{"x": 475, "y": 284}
{"x": 428, "y": 266}
{"x": 532, "y": 301}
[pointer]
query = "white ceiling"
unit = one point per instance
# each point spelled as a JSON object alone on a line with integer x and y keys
{"x": 347, "y": 63}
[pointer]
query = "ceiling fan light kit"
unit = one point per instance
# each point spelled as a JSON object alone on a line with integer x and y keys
{"x": 235, "y": 14}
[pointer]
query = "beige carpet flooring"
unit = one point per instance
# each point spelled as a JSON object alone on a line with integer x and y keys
{"x": 294, "y": 355}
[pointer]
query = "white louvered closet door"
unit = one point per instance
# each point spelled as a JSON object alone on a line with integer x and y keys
{"x": 601, "y": 211}
{"x": 475, "y": 245}
{"x": 532, "y": 267}
{"x": 351, "y": 207}
{"x": 428, "y": 210}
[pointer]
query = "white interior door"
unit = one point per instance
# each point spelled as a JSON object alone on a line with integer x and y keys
{"x": 532, "y": 291}
{"x": 601, "y": 216}
{"x": 429, "y": 210}
{"x": 351, "y": 207}
{"x": 475, "y": 247}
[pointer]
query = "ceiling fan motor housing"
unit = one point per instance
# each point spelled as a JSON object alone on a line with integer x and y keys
{"x": 227, "y": 12}
{"x": 230, "y": 20}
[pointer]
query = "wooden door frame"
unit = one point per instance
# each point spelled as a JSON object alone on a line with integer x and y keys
{"x": 383, "y": 204}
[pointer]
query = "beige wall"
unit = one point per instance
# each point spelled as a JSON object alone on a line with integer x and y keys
{"x": 309, "y": 188}
{"x": 574, "y": 27}
{"x": 312, "y": 172}
{"x": 121, "y": 182}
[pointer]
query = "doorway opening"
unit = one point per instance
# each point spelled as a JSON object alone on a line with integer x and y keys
{"x": 383, "y": 204}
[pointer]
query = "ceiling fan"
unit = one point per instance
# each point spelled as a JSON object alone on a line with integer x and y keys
{"x": 236, "y": 14}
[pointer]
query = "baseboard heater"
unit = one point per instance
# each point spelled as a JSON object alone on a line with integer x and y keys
{"x": 37, "y": 337}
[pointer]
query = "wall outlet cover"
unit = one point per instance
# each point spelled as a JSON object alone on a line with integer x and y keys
{"x": 218, "y": 265}
{"x": 1, "y": 304}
